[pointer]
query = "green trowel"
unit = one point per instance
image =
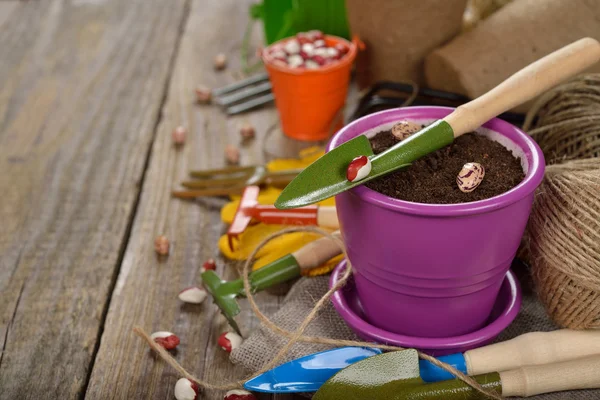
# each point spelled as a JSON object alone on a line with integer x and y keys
{"x": 395, "y": 376}
{"x": 329, "y": 175}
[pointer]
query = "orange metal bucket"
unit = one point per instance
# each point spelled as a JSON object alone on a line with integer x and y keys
{"x": 310, "y": 101}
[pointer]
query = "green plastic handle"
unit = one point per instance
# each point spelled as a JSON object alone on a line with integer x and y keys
{"x": 430, "y": 139}
{"x": 279, "y": 271}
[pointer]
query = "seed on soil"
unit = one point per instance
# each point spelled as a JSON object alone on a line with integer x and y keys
{"x": 161, "y": 245}
{"x": 193, "y": 295}
{"x": 186, "y": 389}
{"x": 239, "y": 394}
{"x": 247, "y": 131}
{"x": 229, "y": 341}
{"x": 404, "y": 129}
{"x": 232, "y": 154}
{"x": 358, "y": 169}
{"x": 203, "y": 94}
{"x": 179, "y": 135}
{"x": 470, "y": 176}
{"x": 220, "y": 61}
{"x": 209, "y": 264}
{"x": 167, "y": 340}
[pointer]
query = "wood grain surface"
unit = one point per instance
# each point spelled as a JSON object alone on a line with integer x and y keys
{"x": 81, "y": 86}
{"x": 147, "y": 286}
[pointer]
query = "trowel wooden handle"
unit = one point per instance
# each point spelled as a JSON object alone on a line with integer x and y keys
{"x": 533, "y": 348}
{"x": 583, "y": 373}
{"x": 525, "y": 84}
{"x": 316, "y": 253}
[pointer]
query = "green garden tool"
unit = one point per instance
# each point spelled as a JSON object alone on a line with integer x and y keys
{"x": 395, "y": 376}
{"x": 330, "y": 174}
{"x": 225, "y": 293}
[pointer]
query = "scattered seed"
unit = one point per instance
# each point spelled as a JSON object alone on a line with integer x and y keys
{"x": 229, "y": 341}
{"x": 209, "y": 265}
{"x": 167, "y": 340}
{"x": 193, "y": 295}
{"x": 186, "y": 389}
{"x": 220, "y": 61}
{"x": 161, "y": 245}
{"x": 203, "y": 94}
{"x": 358, "y": 169}
{"x": 239, "y": 395}
{"x": 178, "y": 135}
{"x": 247, "y": 131}
{"x": 404, "y": 129}
{"x": 470, "y": 176}
{"x": 232, "y": 154}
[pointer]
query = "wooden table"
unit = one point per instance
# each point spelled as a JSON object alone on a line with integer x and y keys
{"x": 90, "y": 91}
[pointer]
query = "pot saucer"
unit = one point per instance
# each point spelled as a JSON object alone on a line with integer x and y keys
{"x": 505, "y": 310}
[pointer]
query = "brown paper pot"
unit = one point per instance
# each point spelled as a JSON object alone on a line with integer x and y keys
{"x": 399, "y": 34}
{"x": 516, "y": 35}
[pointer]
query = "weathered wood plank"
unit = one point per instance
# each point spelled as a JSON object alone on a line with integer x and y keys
{"x": 147, "y": 288}
{"x": 81, "y": 85}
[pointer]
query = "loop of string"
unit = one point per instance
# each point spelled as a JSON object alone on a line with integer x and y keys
{"x": 297, "y": 336}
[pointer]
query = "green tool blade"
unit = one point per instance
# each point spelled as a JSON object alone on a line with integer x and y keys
{"x": 326, "y": 177}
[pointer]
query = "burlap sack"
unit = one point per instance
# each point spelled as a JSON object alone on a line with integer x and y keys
{"x": 263, "y": 345}
{"x": 399, "y": 34}
{"x": 513, "y": 37}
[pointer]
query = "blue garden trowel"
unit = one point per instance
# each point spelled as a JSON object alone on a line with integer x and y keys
{"x": 309, "y": 373}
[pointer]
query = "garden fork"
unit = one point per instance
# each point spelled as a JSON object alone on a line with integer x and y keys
{"x": 232, "y": 180}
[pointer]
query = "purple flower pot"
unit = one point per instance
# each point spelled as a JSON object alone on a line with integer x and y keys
{"x": 434, "y": 270}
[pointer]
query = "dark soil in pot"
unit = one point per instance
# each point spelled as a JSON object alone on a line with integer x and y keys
{"x": 432, "y": 179}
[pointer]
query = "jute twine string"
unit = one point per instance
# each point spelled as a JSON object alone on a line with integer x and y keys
{"x": 298, "y": 336}
{"x": 563, "y": 235}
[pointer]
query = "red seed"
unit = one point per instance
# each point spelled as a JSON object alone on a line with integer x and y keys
{"x": 229, "y": 341}
{"x": 178, "y": 135}
{"x": 220, "y": 61}
{"x": 167, "y": 340}
{"x": 358, "y": 168}
{"x": 232, "y": 154}
{"x": 239, "y": 395}
{"x": 304, "y": 56}
{"x": 161, "y": 245}
{"x": 319, "y": 60}
{"x": 186, "y": 389}
{"x": 209, "y": 265}
{"x": 203, "y": 94}
{"x": 315, "y": 34}
{"x": 341, "y": 48}
{"x": 247, "y": 131}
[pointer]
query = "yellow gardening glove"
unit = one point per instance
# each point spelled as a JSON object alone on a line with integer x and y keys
{"x": 254, "y": 234}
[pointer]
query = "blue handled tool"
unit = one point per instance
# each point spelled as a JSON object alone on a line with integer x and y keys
{"x": 307, "y": 374}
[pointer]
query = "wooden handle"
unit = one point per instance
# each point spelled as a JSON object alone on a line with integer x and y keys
{"x": 533, "y": 349}
{"x": 583, "y": 373}
{"x": 525, "y": 85}
{"x": 316, "y": 253}
{"x": 327, "y": 217}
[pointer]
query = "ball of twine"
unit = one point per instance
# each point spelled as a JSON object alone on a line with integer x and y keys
{"x": 563, "y": 234}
